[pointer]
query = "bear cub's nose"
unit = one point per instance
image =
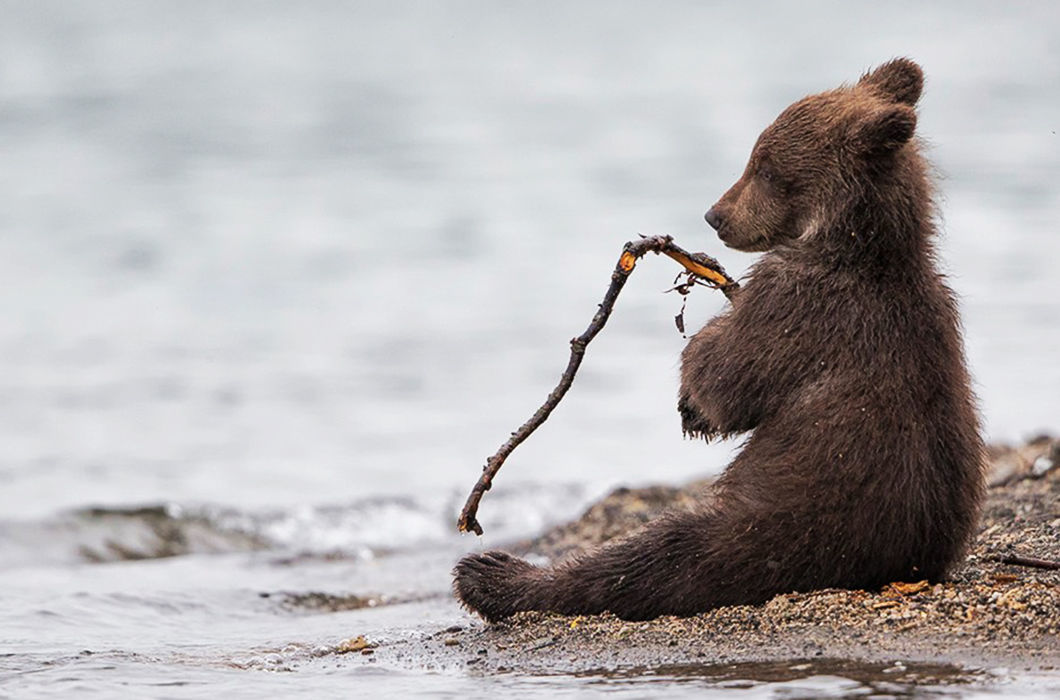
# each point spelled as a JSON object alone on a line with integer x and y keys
{"x": 714, "y": 218}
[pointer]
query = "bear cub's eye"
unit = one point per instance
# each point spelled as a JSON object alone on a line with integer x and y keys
{"x": 768, "y": 175}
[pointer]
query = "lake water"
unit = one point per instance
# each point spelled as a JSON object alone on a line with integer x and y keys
{"x": 279, "y": 277}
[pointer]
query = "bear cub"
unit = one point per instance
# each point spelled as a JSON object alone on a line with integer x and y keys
{"x": 841, "y": 353}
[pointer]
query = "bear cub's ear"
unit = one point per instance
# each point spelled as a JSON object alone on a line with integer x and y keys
{"x": 885, "y": 129}
{"x": 900, "y": 80}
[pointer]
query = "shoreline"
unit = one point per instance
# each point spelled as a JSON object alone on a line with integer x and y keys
{"x": 988, "y": 615}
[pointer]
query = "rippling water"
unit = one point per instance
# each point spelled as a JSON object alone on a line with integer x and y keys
{"x": 280, "y": 275}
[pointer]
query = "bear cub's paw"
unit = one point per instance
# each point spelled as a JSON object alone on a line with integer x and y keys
{"x": 493, "y": 584}
{"x": 693, "y": 424}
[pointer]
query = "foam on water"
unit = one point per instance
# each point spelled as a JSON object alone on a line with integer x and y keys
{"x": 363, "y": 529}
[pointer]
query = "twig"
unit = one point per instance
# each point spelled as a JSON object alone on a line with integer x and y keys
{"x": 700, "y": 268}
{"x": 1032, "y": 562}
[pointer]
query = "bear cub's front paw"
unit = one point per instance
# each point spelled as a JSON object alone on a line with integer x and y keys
{"x": 693, "y": 423}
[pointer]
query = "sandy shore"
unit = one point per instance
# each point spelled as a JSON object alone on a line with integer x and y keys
{"x": 991, "y": 614}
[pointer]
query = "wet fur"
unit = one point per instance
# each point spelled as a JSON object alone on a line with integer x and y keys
{"x": 842, "y": 353}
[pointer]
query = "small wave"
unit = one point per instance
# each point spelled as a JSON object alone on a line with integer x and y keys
{"x": 360, "y": 530}
{"x": 103, "y": 534}
{"x": 106, "y": 534}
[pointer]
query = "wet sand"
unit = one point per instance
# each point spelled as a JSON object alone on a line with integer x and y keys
{"x": 990, "y": 615}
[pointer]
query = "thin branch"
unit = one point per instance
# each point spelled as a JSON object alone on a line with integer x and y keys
{"x": 1032, "y": 562}
{"x": 700, "y": 268}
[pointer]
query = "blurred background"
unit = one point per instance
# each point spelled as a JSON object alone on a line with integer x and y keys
{"x": 293, "y": 270}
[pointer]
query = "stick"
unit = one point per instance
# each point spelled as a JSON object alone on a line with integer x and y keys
{"x": 700, "y": 269}
{"x": 1016, "y": 560}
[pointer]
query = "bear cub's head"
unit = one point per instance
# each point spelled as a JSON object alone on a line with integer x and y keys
{"x": 815, "y": 152}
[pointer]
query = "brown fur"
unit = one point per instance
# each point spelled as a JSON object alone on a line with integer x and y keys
{"x": 842, "y": 352}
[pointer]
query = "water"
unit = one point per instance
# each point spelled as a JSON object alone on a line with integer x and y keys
{"x": 279, "y": 277}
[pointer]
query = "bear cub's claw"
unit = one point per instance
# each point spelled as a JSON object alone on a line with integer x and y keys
{"x": 693, "y": 424}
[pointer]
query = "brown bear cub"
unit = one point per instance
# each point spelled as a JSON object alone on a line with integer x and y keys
{"x": 842, "y": 352}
